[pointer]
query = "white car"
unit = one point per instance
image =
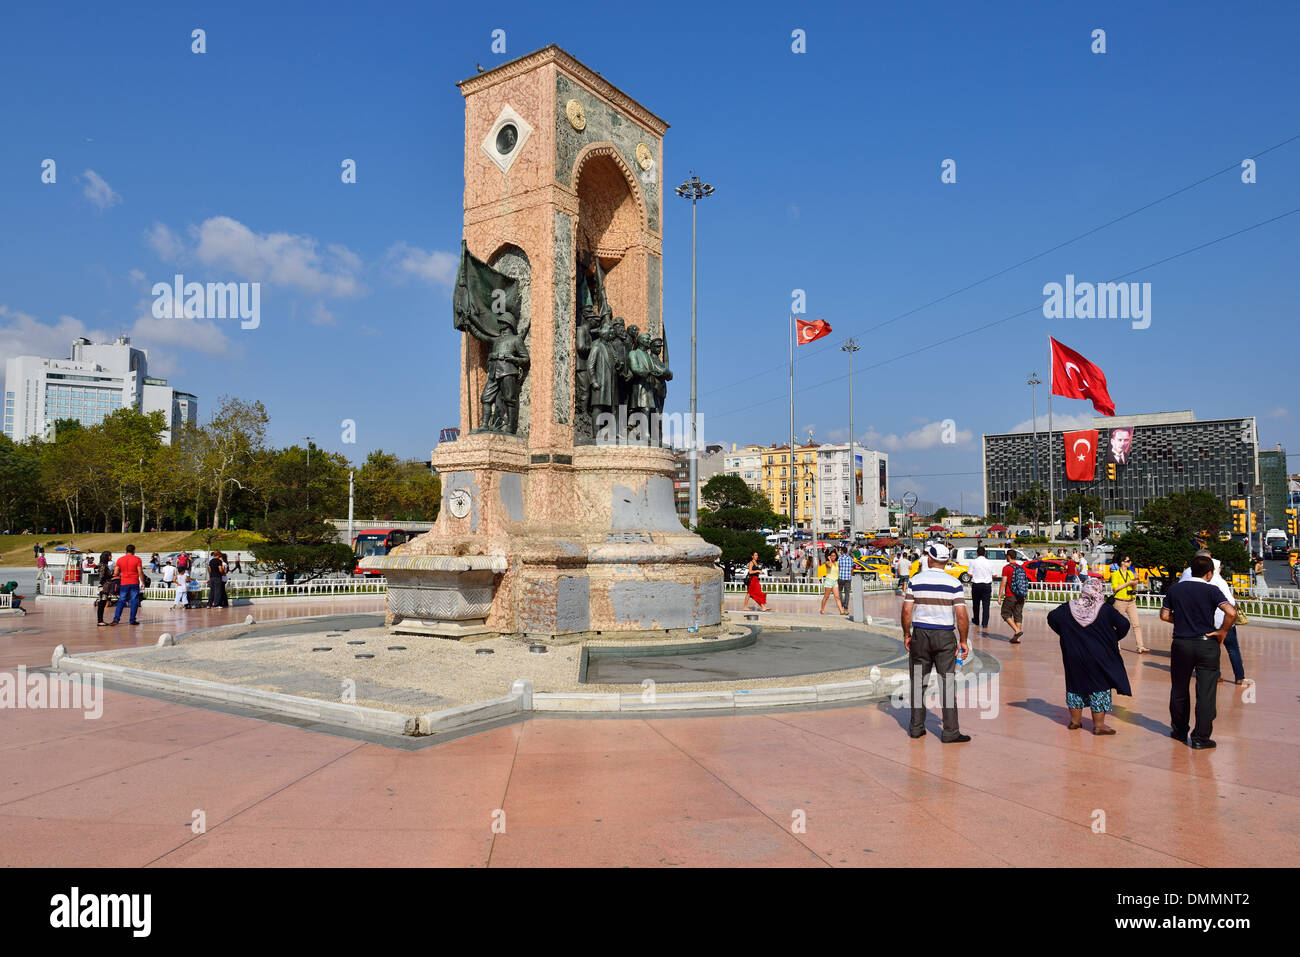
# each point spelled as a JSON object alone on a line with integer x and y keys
{"x": 965, "y": 554}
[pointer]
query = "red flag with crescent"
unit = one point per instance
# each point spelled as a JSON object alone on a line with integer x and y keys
{"x": 1075, "y": 377}
{"x": 1081, "y": 455}
{"x": 810, "y": 330}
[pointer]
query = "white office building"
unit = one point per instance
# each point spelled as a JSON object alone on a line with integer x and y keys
{"x": 860, "y": 484}
{"x": 745, "y": 463}
{"x": 98, "y": 379}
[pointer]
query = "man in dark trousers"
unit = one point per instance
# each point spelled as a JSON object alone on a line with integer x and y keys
{"x": 1190, "y": 606}
{"x": 934, "y": 613}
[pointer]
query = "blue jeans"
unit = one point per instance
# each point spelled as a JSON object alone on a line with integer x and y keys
{"x": 1234, "y": 653}
{"x": 129, "y": 593}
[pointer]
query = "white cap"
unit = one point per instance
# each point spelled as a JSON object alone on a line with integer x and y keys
{"x": 938, "y": 551}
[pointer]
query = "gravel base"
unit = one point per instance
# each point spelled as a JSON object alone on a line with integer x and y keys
{"x": 431, "y": 673}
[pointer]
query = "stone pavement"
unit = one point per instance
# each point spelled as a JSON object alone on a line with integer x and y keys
{"x": 835, "y": 787}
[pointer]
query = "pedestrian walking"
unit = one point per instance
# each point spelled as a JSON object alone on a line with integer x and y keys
{"x": 217, "y": 581}
{"x": 828, "y": 575}
{"x": 129, "y": 568}
{"x": 902, "y": 570}
{"x": 1195, "y": 651}
{"x": 845, "y": 565}
{"x": 935, "y": 623}
{"x": 981, "y": 588}
{"x": 1015, "y": 589}
{"x": 753, "y": 587}
{"x": 1230, "y": 639}
{"x": 154, "y": 563}
{"x": 182, "y": 598}
{"x": 1123, "y": 583}
{"x": 109, "y": 589}
{"x": 1090, "y": 632}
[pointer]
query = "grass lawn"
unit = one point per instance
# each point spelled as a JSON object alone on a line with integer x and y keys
{"x": 17, "y": 549}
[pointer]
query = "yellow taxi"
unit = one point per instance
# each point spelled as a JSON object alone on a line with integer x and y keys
{"x": 877, "y": 567}
{"x": 957, "y": 534}
{"x": 956, "y": 569}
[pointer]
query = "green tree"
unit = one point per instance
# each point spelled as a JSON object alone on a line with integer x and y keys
{"x": 236, "y": 435}
{"x": 1032, "y": 504}
{"x": 732, "y": 522}
{"x": 1185, "y": 514}
{"x": 20, "y": 484}
{"x": 300, "y": 546}
{"x": 940, "y": 514}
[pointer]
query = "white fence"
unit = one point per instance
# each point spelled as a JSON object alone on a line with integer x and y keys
{"x": 322, "y": 587}
{"x": 6, "y": 601}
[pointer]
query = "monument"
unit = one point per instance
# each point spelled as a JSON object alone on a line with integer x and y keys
{"x": 558, "y": 518}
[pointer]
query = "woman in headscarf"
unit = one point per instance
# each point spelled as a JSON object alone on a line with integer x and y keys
{"x": 1090, "y": 631}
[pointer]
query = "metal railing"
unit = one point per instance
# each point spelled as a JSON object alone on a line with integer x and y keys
{"x": 320, "y": 587}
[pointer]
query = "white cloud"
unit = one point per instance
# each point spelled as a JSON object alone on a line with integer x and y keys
{"x": 1279, "y": 413}
{"x": 98, "y": 191}
{"x": 320, "y": 316}
{"x": 929, "y": 436}
{"x": 164, "y": 242}
{"x": 435, "y": 267}
{"x": 25, "y": 335}
{"x": 283, "y": 259}
{"x": 280, "y": 258}
{"x": 135, "y": 275}
{"x": 200, "y": 335}
{"x": 1060, "y": 423}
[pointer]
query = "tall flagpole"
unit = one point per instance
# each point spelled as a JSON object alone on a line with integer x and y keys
{"x": 790, "y": 479}
{"x": 1051, "y": 458}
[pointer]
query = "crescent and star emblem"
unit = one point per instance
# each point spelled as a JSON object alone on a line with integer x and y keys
{"x": 1069, "y": 375}
{"x": 1085, "y": 443}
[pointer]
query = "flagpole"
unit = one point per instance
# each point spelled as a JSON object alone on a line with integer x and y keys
{"x": 1051, "y": 457}
{"x": 789, "y": 489}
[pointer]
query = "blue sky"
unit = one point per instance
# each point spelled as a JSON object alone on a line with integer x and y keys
{"x": 225, "y": 166}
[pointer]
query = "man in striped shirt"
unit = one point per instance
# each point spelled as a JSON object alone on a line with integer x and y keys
{"x": 935, "y": 621}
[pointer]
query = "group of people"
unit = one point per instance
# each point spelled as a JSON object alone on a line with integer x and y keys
{"x": 122, "y": 582}
{"x": 834, "y": 574}
{"x": 1200, "y": 607}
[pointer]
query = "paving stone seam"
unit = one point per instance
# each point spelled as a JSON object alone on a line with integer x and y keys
{"x": 999, "y": 797}
{"x": 249, "y": 807}
{"x": 779, "y": 825}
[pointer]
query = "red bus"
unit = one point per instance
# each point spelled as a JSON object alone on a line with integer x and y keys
{"x": 377, "y": 541}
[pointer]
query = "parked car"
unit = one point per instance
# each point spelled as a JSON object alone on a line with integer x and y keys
{"x": 955, "y": 569}
{"x": 1051, "y": 571}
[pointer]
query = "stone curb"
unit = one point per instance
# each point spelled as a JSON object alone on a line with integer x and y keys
{"x": 327, "y": 712}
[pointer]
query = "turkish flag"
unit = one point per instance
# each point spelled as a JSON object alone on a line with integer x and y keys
{"x": 1075, "y": 377}
{"x": 806, "y": 331}
{"x": 1081, "y": 455}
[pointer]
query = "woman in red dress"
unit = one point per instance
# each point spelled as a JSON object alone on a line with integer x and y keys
{"x": 754, "y": 590}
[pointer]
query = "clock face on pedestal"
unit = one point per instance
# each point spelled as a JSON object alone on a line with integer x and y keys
{"x": 458, "y": 501}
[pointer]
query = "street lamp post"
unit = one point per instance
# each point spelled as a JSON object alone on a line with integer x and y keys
{"x": 693, "y": 190}
{"x": 851, "y": 346}
{"x": 1034, "y": 382}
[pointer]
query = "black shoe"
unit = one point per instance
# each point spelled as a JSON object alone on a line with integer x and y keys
{"x": 911, "y": 735}
{"x": 1201, "y": 744}
{"x": 1178, "y": 737}
{"x": 960, "y": 739}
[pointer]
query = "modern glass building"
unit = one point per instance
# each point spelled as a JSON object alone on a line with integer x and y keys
{"x": 97, "y": 380}
{"x": 1273, "y": 479}
{"x": 1171, "y": 452}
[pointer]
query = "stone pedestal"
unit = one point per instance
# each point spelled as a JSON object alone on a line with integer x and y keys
{"x": 576, "y": 538}
{"x": 587, "y": 544}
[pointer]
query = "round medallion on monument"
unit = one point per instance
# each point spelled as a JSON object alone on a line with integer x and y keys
{"x": 645, "y": 159}
{"x": 577, "y": 117}
{"x": 507, "y": 137}
{"x": 459, "y": 502}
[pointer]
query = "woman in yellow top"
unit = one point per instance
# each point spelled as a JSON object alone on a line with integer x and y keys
{"x": 828, "y": 573}
{"x": 1123, "y": 582}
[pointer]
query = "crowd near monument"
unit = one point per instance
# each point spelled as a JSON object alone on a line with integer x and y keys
{"x": 557, "y": 518}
